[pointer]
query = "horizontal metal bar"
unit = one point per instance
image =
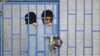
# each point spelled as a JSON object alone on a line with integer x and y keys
{"x": 27, "y": 17}
{"x": 24, "y": 51}
{"x": 40, "y": 3}
{"x": 71, "y": 46}
{"x": 80, "y": 30}
{"x": 15, "y": 34}
{"x": 71, "y": 14}
{"x": 7, "y": 50}
{"x": 32, "y": 34}
{"x": 88, "y": 47}
{"x": 7, "y": 18}
{"x": 36, "y": 18}
{"x": 10, "y": 51}
{"x": 63, "y": 30}
{"x": 7, "y": 54}
{"x": 48, "y": 34}
{"x": 88, "y": 13}
{"x": 34, "y": 0}
{"x": 41, "y": 51}
{"x": 96, "y": 30}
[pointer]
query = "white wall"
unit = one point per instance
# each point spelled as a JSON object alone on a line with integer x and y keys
{"x": 80, "y": 25}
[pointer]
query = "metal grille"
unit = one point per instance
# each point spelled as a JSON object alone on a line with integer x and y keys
{"x": 19, "y": 39}
{"x": 79, "y": 27}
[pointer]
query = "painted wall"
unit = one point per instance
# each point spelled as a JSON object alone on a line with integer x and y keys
{"x": 80, "y": 28}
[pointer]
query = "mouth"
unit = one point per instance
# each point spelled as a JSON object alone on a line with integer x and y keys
{"x": 49, "y": 24}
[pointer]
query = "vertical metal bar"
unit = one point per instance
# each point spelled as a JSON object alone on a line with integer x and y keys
{"x": 58, "y": 22}
{"x": 58, "y": 18}
{"x": 57, "y": 51}
{"x": 44, "y": 31}
{"x": 44, "y": 19}
{"x": 99, "y": 27}
{"x": 11, "y": 29}
{"x": 75, "y": 25}
{"x": 20, "y": 27}
{"x": 92, "y": 27}
{"x": 36, "y": 33}
{"x": 2, "y": 30}
{"x": 67, "y": 24}
{"x": 28, "y": 31}
{"x": 84, "y": 28}
{"x": 53, "y": 22}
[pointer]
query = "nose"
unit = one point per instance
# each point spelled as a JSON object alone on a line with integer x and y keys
{"x": 48, "y": 21}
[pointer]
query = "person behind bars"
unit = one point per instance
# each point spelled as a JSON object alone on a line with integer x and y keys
{"x": 51, "y": 29}
{"x": 47, "y": 19}
{"x": 30, "y": 21}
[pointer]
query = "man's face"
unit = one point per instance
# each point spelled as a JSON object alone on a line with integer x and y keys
{"x": 48, "y": 20}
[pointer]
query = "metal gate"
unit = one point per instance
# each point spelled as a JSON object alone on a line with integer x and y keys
{"x": 17, "y": 40}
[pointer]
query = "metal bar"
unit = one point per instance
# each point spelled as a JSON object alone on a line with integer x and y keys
{"x": 88, "y": 47}
{"x": 99, "y": 27}
{"x": 7, "y": 50}
{"x": 71, "y": 46}
{"x": 32, "y": 34}
{"x": 15, "y": 34}
{"x": 36, "y": 3}
{"x": 11, "y": 30}
{"x": 84, "y": 27}
{"x": 44, "y": 19}
{"x": 75, "y": 26}
{"x": 28, "y": 32}
{"x": 27, "y": 17}
{"x": 36, "y": 49}
{"x": 80, "y": 30}
{"x": 58, "y": 22}
{"x": 20, "y": 28}
{"x": 88, "y": 13}
{"x": 96, "y": 31}
{"x": 63, "y": 30}
{"x": 40, "y": 51}
{"x": 7, "y": 17}
{"x": 67, "y": 24}
{"x": 33, "y": 0}
{"x": 72, "y": 13}
{"x": 92, "y": 27}
{"x": 2, "y": 30}
{"x": 58, "y": 19}
{"x": 53, "y": 21}
{"x": 23, "y": 17}
{"x": 44, "y": 30}
{"x": 48, "y": 34}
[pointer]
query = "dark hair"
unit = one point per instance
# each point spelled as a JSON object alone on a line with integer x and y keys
{"x": 31, "y": 16}
{"x": 47, "y": 13}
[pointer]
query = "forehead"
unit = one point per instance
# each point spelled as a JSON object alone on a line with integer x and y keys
{"x": 48, "y": 17}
